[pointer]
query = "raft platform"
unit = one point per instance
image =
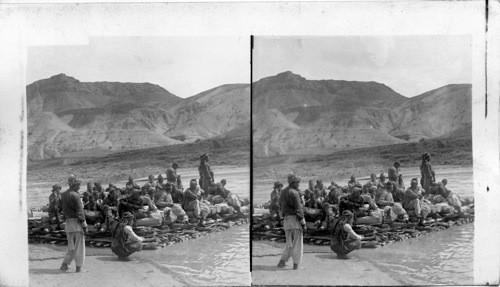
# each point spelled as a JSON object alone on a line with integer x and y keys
{"x": 375, "y": 236}
{"x": 155, "y": 237}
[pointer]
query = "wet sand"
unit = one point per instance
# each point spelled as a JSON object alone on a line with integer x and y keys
{"x": 103, "y": 270}
{"x": 320, "y": 266}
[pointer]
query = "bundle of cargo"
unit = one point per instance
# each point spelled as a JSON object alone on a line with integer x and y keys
{"x": 381, "y": 227}
{"x": 160, "y": 228}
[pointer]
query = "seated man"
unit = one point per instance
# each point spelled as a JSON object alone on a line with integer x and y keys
{"x": 163, "y": 197}
{"x": 231, "y": 198}
{"x": 309, "y": 191}
{"x": 369, "y": 189}
{"x": 452, "y": 198}
{"x": 313, "y": 201}
{"x": 151, "y": 182}
{"x": 192, "y": 198}
{"x": 274, "y": 203}
{"x": 55, "y": 206}
{"x": 319, "y": 190}
{"x": 353, "y": 202}
{"x": 398, "y": 194}
{"x": 109, "y": 208}
{"x": 412, "y": 202}
{"x": 333, "y": 185}
{"x": 330, "y": 206}
{"x": 353, "y": 183}
{"x": 381, "y": 182}
{"x": 130, "y": 183}
{"x": 383, "y": 197}
{"x": 373, "y": 179}
{"x": 132, "y": 203}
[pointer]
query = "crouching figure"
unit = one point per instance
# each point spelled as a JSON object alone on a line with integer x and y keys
{"x": 344, "y": 239}
{"x": 125, "y": 241}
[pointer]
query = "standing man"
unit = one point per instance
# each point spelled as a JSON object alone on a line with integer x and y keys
{"x": 76, "y": 227}
{"x": 294, "y": 223}
{"x": 206, "y": 174}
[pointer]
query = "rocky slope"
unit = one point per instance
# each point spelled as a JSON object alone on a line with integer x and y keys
{"x": 68, "y": 117}
{"x": 291, "y": 113}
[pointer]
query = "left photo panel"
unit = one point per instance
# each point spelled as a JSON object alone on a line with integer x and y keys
{"x": 138, "y": 162}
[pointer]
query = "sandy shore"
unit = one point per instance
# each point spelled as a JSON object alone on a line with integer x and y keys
{"x": 45, "y": 260}
{"x": 320, "y": 266}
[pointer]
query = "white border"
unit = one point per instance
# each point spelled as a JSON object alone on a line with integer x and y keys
{"x": 65, "y": 24}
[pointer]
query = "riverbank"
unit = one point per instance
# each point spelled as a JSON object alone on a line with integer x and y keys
{"x": 103, "y": 268}
{"x": 444, "y": 257}
{"x": 212, "y": 260}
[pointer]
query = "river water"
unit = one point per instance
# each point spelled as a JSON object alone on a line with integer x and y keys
{"x": 445, "y": 257}
{"x": 221, "y": 258}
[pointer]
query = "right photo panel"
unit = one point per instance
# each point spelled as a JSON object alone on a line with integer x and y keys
{"x": 362, "y": 160}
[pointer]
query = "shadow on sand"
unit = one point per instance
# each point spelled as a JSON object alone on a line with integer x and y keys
{"x": 268, "y": 268}
{"x": 333, "y": 256}
{"x": 54, "y": 271}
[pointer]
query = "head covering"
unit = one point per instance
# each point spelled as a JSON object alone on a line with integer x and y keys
{"x": 344, "y": 218}
{"x": 71, "y": 179}
{"x": 193, "y": 180}
{"x": 347, "y": 213}
{"x": 56, "y": 186}
{"x": 127, "y": 215}
{"x": 204, "y": 156}
{"x": 278, "y": 184}
{"x": 358, "y": 185}
{"x": 426, "y": 156}
{"x": 76, "y": 183}
{"x": 168, "y": 186}
{"x": 292, "y": 178}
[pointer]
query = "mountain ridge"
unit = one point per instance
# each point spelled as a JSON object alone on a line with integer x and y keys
{"x": 339, "y": 115}
{"x": 67, "y": 116}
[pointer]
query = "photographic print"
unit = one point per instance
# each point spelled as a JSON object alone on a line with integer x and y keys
{"x": 362, "y": 160}
{"x": 138, "y": 162}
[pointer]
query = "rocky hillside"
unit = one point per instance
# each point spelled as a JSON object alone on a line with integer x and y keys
{"x": 68, "y": 117}
{"x": 291, "y": 113}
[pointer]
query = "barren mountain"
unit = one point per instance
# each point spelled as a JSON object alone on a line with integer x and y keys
{"x": 291, "y": 113}
{"x": 212, "y": 113}
{"x": 67, "y": 117}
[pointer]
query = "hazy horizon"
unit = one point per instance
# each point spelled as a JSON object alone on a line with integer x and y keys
{"x": 410, "y": 65}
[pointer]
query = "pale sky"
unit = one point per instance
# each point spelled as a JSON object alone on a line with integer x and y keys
{"x": 184, "y": 66}
{"x": 410, "y": 65}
